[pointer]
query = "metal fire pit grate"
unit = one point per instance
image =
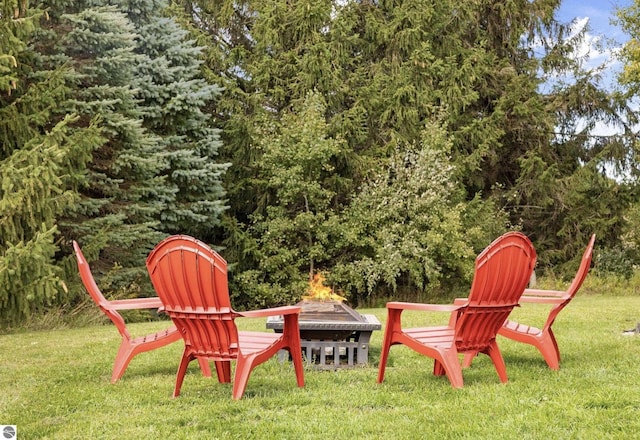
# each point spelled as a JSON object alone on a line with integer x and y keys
{"x": 332, "y": 334}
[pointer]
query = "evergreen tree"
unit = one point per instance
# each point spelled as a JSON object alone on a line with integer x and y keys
{"x": 172, "y": 96}
{"x": 42, "y": 153}
{"x": 629, "y": 19}
{"x": 125, "y": 192}
{"x": 291, "y": 233}
{"x": 626, "y": 257}
{"x": 157, "y": 173}
{"x": 384, "y": 69}
{"x": 563, "y": 190}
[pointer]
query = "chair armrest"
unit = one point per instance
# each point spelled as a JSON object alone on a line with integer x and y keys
{"x": 136, "y": 303}
{"x": 275, "y": 311}
{"x": 460, "y": 301}
{"x": 542, "y": 299}
{"x": 423, "y": 307}
{"x": 540, "y": 292}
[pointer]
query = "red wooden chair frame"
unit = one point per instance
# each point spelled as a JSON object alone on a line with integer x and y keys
{"x": 191, "y": 280}
{"x": 502, "y": 272}
{"x": 129, "y": 346}
{"x": 544, "y": 339}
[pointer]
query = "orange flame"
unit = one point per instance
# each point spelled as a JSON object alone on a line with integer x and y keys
{"x": 317, "y": 291}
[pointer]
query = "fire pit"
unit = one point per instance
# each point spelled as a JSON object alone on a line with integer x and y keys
{"x": 333, "y": 335}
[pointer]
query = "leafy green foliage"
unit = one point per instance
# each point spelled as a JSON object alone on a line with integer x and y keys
{"x": 292, "y": 229}
{"x": 411, "y": 224}
{"x": 519, "y": 140}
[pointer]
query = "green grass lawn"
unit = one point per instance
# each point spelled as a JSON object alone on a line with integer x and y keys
{"x": 55, "y": 385}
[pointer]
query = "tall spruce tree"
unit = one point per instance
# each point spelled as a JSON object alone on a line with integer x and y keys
{"x": 172, "y": 96}
{"x": 42, "y": 154}
{"x": 125, "y": 192}
{"x": 157, "y": 173}
{"x": 563, "y": 191}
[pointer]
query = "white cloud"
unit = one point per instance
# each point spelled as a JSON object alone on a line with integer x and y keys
{"x": 596, "y": 52}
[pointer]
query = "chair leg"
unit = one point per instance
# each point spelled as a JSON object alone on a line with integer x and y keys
{"x": 182, "y": 370}
{"x": 494, "y": 353}
{"x": 467, "y": 360}
{"x": 393, "y": 323}
{"x": 124, "y": 356}
{"x": 549, "y": 350}
{"x": 449, "y": 364}
{"x": 204, "y": 367}
{"x": 384, "y": 354}
{"x": 223, "y": 370}
{"x": 555, "y": 343}
{"x": 438, "y": 368}
{"x": 243, "y": 371}
{"x": 296, "y": 358}
{"x": 291, "y": 335}
{"x": 295, "y": 351}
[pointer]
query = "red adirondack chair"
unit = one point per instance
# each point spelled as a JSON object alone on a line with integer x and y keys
{"x": 129, "y": 346}
{"x": 544, "y": 339}
{"x": 502, "y": 272}
{"x": 191, "y": 280}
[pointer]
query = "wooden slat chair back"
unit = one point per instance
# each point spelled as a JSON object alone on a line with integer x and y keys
{"x": 129, "y": 346}
{"x": 570, "y": 293}
{"x": 192, "y": 283}
{"x": 500, "y": 277}
{"x": 502, "y": 272}
{"x": 191, "y": 280}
